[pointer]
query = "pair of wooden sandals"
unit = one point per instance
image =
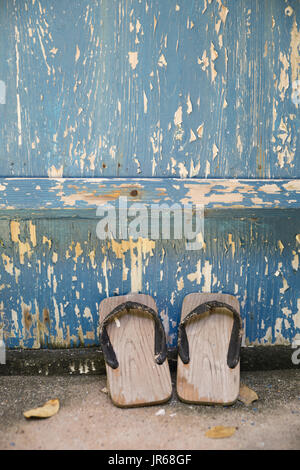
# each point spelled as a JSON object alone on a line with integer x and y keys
{"x": 133, "y": 342}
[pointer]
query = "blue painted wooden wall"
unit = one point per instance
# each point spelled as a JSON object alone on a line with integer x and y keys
{"x": 186, "y": 99}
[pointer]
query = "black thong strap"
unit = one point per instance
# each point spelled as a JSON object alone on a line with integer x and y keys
{"x": 233, "y": 354}
{"x": 160, "y": 347}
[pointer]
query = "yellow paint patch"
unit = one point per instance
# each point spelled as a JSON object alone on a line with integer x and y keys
{"x": 231, "y": 192}
{"x": 133, "y": 59}
{"x": 205, "y": 273}
{"x": 77, "y": 53}
{"x": 32, "y": 229}
{"x": 295, "y": 48}
{"x": 8, "y": 264}
{"x": 292, "y": 186}
{"x": 91, "y": 255}
{"x": 232, "y": 244}
{"x": 24, "y": 247}
{"x": 223, "y": 12}
{"x": 284, "y": 75}
{"x": 180, "y": 284}
{"x": 54, "y": 172}
{"x": 46, "y": 240}
{"x": 270, "y": 189}
{"x": 295, "y": 261}
{"x": 213, "y": 57}
{"x": 280, "y": 246}
{"x": 14, "y": 231}
{"x": 78, "y": 251}
{"x": 139, "y": 251}
{"x": 200, "y": 131}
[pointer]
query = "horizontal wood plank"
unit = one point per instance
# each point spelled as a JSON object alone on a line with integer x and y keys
{"x": 81, "y": 196}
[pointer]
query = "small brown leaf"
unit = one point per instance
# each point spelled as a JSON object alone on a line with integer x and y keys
{"x": 49, "y": 409}
{"x": 247, "y": 395}
{"x": 219, "y": 432}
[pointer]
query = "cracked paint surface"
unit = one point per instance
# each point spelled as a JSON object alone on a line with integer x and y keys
{"x": 145, "y": 89}
{"x": 50, "y": 295}
{"x": 159, "y": 101}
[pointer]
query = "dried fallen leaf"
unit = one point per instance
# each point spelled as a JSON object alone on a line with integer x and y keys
{"x": 247, "y": 395}
{"x": 104, "y": 390}
{"x": 49, "y": 409}
{"x": 219, "y": 432}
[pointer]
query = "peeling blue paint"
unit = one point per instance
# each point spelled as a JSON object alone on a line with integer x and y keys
{"x": 159, "y": 101}
{"x": 82, "y": 105}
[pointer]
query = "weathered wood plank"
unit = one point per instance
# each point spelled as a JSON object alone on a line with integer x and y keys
{"x": 55, "y": 272}
{"x": 76, "y": 194}
{"x": 158, "y": 88}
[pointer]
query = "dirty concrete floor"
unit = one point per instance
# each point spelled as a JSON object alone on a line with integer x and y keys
{"x": 88, "y": 420}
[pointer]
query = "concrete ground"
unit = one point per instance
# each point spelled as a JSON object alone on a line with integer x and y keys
{"x": 88, "y": 420}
